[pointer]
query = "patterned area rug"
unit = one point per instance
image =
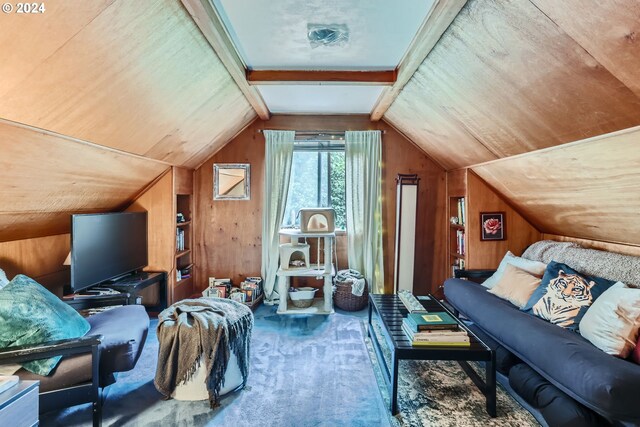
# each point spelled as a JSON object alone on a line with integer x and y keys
{"x": 439, "y": 393}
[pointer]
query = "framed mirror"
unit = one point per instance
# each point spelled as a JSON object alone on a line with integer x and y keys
{"x": 231, "y": 181}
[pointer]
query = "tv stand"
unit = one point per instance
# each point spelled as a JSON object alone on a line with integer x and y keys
{"x": 134, "y": 283}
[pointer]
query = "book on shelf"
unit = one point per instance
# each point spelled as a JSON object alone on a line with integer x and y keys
{"x": 460, "y": 249}
{"x": 179, "y": 239}
{"x": 461, "y": 215}
{"x": 430, "y": 321}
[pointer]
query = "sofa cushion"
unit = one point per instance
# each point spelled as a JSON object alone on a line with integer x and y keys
{"x": 533, "y": 267}
{"x": 124, "y": 331}
{"x": 30, "y": 314}
{"x": 564, "y": 295}
{"x": 505, "y": 360}
{"x": 556, "y": 407}
{"x": 515, "y": 286}
{"x": 612, "y": 321}
{"x": 613, "y": 266}
{"x": 597, "y": 380}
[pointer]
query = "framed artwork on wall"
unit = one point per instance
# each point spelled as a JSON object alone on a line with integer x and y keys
{"x": 231, "y": 181}
{"x": 492, "y": 226}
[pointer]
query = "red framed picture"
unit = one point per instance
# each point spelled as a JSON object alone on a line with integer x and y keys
{"x": 492, "y": 226}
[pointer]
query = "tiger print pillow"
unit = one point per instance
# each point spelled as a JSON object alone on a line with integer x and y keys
{"x": 564, "y": 295}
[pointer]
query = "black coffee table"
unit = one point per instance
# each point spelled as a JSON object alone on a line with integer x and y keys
{"x": 390, "y": 310}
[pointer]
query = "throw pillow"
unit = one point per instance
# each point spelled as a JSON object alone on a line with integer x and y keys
{"x": 516, "y": 286}
{"x": 613, "y": 320}
{"x": 30, "y": 314}
{"x": 564, "y": 295}
{"x": 3, "y": 279}
{"x": 534, "y": 267}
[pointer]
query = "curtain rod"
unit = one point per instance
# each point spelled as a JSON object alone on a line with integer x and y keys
{"x": 323, "y": 132}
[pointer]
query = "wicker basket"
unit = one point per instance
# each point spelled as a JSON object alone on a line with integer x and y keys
{"x": 303, "y": 298}
{"x": 302, "y": 303}
{"x": 344, "y": 299}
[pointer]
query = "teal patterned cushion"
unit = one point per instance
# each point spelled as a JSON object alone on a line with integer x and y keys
{"x": 30, "y": 314}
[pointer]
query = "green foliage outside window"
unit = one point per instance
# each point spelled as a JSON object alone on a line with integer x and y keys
{"x": 317, "y": 180}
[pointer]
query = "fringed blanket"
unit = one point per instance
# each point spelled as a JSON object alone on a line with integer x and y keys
{"x": 206, "y": 327}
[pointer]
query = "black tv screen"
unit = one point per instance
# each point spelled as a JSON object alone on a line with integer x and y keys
{"x": 105, "y": 246}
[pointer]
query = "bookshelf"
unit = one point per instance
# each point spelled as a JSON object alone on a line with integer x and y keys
{"x": 182, "y": 279}
{"x": 467, "y": 197}
{"x": 457, "y": 233}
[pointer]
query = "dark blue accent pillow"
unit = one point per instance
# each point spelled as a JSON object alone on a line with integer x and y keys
{"x": 564, "y": 295}
{"x": 30, "y": 314}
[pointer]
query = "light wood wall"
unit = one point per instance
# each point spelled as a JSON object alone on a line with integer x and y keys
{"x": 513, "y": 76}
{"x": 519, "y": 232}
{"x": 589, "y": 189}
{"x": 158, "y": 202}
{"x": 40, "y": 258}
{"x": 46, "y": 177}
{"x": 228, "y": 233}
{"x": 138, "y": 76}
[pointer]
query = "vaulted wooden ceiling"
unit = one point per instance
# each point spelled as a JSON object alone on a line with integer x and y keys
{"x": 140, "y": 78}
{"x": 137, "y": 76}
{"x": 513, "y": 76}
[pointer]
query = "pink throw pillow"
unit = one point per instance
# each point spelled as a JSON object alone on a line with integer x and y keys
{"x": 635, "y": 356}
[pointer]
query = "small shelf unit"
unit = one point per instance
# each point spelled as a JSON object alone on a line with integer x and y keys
{"x": 326, "y": 271}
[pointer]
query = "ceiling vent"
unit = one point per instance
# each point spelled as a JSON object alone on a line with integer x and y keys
{"x": 327, "y": 35}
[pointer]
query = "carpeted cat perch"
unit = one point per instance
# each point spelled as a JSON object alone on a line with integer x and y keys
{"x": 207, "y": 329}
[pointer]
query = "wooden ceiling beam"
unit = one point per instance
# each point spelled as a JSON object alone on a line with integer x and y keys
{"x": 435, "y": 24}
{"x": 209, "y": 22}
{"x": 266, "y": 77}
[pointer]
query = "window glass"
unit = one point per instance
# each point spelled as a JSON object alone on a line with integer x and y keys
{"x": 317, "y": 180}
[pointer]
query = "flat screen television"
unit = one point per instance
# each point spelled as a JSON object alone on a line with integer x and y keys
{"x": 106, "y": 246}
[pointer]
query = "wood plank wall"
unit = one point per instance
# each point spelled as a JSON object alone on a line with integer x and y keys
{"x": 228, "y": 233}
{"x": 519, "y": 232}
{"x": 40, "y": 258}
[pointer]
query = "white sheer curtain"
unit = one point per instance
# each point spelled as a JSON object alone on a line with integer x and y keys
{"x": 363, "y": 154}
{"x": 278, "y": 157}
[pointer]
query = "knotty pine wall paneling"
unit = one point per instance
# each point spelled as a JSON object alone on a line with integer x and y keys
{"x": 228, "y": 233}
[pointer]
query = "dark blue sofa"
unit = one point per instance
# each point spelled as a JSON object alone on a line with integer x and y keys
{"x": 566, "y": 378}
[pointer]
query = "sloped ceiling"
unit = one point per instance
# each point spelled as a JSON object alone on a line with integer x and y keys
{"x": 589, "y": 189}
{"x": 137, "y": 76}
{"x": 513, "y": 76}
{"x": 46, "y": 177}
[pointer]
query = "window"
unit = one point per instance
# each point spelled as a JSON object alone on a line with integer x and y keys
{"x": 317, "y": 180}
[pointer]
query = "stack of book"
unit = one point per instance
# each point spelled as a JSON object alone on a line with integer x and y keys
{"x": 434, "y": 329}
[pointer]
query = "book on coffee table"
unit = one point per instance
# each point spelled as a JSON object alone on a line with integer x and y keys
{"x": 431, "y": 321}
{"x": 437, "y": 337}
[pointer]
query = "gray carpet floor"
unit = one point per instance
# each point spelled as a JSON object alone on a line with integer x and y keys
{"x": 305, "y": 371}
